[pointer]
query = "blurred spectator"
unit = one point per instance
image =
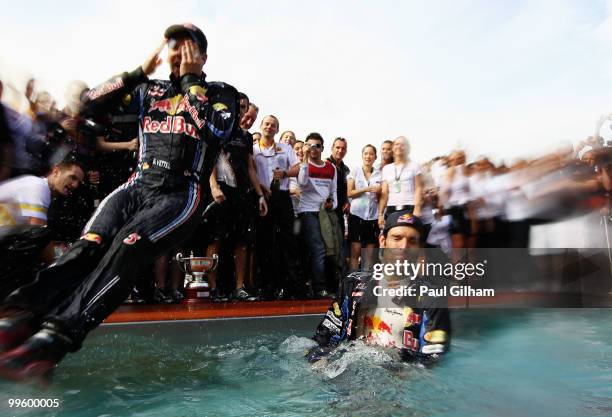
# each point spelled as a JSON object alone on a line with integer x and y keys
{"x": 587, "y": 155}
{"x": 25, "y": 243}
{"x": 26, "y": 199}
{"x": 364, "y": 189}
{"x": 248, "y": 119}
{"x": 287, "y": 137}
{"x": 485, "y": 214}
{"x": 430, "y": 201}
{"x": 6, "y": 143}
{"x": 276, "y": 244}
{"x": 30, "y": 96}
{"x": 455, "y": 196}
{"x": 318, "y": 182}
{"x": 401, "y": 184}
{"x": 604, "y": 174}
{"x": 386, "y": 154}
{"x": 256, "y": 138}
{"x": 438, "y": 169}
{"x": 35, "y": 138}
{"x": 439, "y": 234}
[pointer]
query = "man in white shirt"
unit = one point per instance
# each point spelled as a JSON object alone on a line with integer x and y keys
{"x": 276, "y": 243}
{"x": 26, "y": 199}
{"x": 24, "y": 241}
{"x": 318, "y": 183}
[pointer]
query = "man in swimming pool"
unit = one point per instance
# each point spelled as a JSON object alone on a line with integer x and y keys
{"x": 183, "y": 124}
{"x": 417, "y": 328}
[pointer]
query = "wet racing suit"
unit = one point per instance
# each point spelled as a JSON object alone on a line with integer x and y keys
{"x": 183, "y": 124}
{"x": 425, "y": 330}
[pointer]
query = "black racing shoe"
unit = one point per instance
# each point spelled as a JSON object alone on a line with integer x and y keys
{"x": 160, "y": 297}
{"x": 15, "y": 329}
{"x": 36, "y": 358}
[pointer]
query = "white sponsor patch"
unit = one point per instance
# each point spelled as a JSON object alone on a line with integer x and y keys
{"x": 429, "y": 349}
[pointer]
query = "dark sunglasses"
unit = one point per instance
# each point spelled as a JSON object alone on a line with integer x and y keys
{"x": 315, "y": 145}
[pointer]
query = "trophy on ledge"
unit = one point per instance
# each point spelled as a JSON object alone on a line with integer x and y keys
{"x": 195, "y": 269}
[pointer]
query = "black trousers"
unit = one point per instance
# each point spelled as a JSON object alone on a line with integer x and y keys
{"x": 277, "y": 246}
{"x": 136, "y": 224}
{"x": 20, "y": 249}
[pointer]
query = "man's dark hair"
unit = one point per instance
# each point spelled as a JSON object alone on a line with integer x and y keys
{"x": 341, "y": 139}
{"x": 390, "y": 142}
{"x": 315, "y": 136}
{"x": 603, "y": 158}
{"x": 243, "y": 96}
{"x": 69, "y": 163}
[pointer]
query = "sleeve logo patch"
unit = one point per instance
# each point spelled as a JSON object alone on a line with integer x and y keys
{"x": 131, "y": 239}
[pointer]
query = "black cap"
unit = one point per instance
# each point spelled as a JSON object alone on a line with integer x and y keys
{"x": 403, "y": 218}
{"x": 188, "y": 30}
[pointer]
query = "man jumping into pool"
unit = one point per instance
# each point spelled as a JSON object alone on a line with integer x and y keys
{"x": 183, "y": 124}
{"x": 417, "y": 328}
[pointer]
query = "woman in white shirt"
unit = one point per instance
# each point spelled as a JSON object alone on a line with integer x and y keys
{"x": 402, "y": 188}
{"x": 364, "y": 190}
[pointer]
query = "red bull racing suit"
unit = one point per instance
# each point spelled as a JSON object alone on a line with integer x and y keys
{"x": 426, "y": 329}
{"x": 183, "y": 124}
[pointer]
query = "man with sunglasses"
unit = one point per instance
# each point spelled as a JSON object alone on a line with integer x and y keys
{"x": 318, "y": 184}
{"x": 183, "y": 124}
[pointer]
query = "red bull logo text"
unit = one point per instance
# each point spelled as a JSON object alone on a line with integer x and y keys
{"x": 413, "y": 319}
{"x": 376, "y": 324}
{"x": 172, "y": 124}
{"x": 409, "y": 341}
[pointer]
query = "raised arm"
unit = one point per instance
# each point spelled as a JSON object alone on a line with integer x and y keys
{"x": 340, "y": 321}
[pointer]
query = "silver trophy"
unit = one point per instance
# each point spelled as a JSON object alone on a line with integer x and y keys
{"x": 196, "y": 268}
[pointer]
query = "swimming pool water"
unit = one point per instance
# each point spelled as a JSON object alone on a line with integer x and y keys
{"x": 502, "y": 363}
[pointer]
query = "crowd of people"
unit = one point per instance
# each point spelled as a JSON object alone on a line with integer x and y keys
{"x": 287, "y": 221}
